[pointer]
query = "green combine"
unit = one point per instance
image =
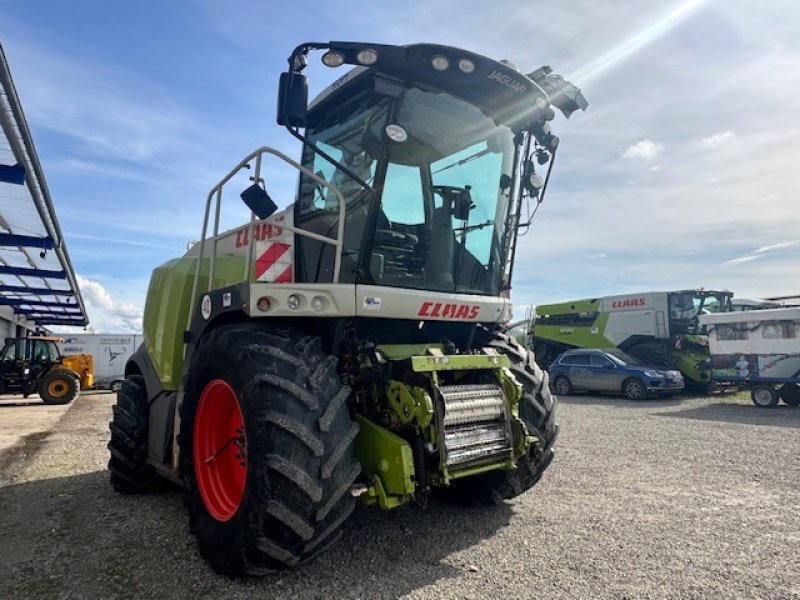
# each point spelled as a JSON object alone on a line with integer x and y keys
{"x": 350, "y": 347}
{"x": 659, "y": 328}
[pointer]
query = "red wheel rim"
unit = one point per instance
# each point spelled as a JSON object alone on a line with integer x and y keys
{"x": 220, "y": 450}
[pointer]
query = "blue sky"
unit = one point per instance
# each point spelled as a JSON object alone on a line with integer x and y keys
{"x": 683, "y": 173}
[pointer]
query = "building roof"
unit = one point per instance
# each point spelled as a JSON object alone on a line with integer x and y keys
{"x": 36, "y": 276}
{"x": 747, "y": 316}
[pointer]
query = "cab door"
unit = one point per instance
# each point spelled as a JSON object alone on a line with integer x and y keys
{"x": 40, "y": 361}
{"x": 579, "y": 372}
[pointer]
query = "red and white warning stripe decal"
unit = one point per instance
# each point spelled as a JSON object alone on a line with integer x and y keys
{"x": 275, "y": 253}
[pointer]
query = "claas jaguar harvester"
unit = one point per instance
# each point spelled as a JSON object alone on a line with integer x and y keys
{"x": 350, "y": 347}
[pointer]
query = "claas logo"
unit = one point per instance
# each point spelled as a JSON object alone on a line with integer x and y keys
{"x": 449, "y": 311}
{"x": 628, "y": 303}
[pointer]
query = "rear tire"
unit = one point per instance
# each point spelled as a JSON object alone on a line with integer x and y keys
{"x": 562, "y": 386}
{"x": 764, "y": 396}
{"x": 537, "y": 409}
{"x": 299, "y": 463}
{"x": 790, "y": 394}
{"x": 130, "y": 473}
{"x": 58, "y": 387}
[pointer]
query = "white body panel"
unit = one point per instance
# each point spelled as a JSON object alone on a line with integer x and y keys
{"x": 755, "y": 345}
{"x": 109, "y": 352}
{"x": 636, "y": 314}
{"x": 379, "y": 302}
{"x": 763, "y": 329}
{"x": 398, "y": 303}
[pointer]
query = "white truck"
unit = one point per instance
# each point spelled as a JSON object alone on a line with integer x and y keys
{"x": 758, "y": 348}
{"x": 109, "y": 351}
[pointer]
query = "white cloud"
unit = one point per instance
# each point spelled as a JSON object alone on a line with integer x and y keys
{"x": 760, "y": 252}
{"x": 778, "y": 246}
{"x": 106, "y": 314}
{"x": 716, "y": 140}
{"x": 740, "y": 260}
{"x": 643, "y": 150}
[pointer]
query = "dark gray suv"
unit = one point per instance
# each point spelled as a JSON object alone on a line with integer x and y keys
{"x": 595, "y": 370}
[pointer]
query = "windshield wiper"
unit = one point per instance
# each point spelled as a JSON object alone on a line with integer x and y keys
{"x": 463, "y": 161}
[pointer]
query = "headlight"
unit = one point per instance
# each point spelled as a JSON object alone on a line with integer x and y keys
{"x": 650, "y": 373}
{"x": 333, "y": 59}
{"x": 440, "y": 63}
{"x": 367, "y": 56}
{"x": 466, "y": 65}
{"x": 676, "y": 374}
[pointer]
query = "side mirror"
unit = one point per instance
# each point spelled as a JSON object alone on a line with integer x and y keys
{"x": 292, "y": 100}
{"x": 462, "y": 204}
{"x": 259, "y": 201}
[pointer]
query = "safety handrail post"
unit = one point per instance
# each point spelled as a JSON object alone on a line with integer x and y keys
{"x": 337, "y": 242}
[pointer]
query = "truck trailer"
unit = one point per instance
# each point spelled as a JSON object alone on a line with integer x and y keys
{"x": 759, "y": 349}
{"x": 109, "y": 351}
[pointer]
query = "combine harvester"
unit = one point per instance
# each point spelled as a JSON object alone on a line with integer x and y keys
{"x": 760, "y": 349}
{"x": 351, "y": 345}
{"x": 658, "y": 328}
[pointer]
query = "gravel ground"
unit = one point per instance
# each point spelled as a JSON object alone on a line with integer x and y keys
{"x": 681, "y": 498}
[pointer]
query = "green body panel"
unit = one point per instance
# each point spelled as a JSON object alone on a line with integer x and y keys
{"x": 386, "y": 459}
{"x": 566, "y": 308}
{"x": 688, "y": 361}
{"x": 459, "y": 362}
{"x": 402, "y": 351}
{"x": 590, "y": 336}
{"x": 166, "y": 311}
{"x": 409, "y": 403}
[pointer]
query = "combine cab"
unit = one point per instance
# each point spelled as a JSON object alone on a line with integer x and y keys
{"x": 351, "y": 345}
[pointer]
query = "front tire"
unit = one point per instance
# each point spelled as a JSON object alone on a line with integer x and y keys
{"x": 633, "y": 389}
{"x": 537, "y": 409}
{"x": 764, "y": 396}
{"x": 58, "y": 387}
{"x": 290, "y": 468}
{"x": 129, "y": 471}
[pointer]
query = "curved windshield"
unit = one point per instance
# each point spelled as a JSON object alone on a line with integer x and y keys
{"x": 442, "y": 180}
{"x": 685, "y": 307}
{"x": 444, "y": 199}
{"x": 622, "y": 358}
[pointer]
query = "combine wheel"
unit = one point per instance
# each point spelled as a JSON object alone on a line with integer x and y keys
{"x": 764, "y": 396}
{"x": 266, "y": 448}
{"x": 130, "y": 473}
{"x": 790, "y": 394}
{"x": 58, "y": 387}
{"x": 537, "y": 409}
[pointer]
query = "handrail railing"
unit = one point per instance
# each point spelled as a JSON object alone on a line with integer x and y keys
{"x": 216, "y": 193}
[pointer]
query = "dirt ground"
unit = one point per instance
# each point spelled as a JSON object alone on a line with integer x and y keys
{"x": 680, "y": 498}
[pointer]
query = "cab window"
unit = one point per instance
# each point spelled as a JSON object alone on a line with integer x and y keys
{"x": 600, "y": 361}
{"x": 40, "y": 351}
{"x": 10, "y": 351}
{"x": 575, "y": 359}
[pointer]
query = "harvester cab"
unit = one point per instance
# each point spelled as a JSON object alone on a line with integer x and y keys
{"x": 351, "y": 344}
